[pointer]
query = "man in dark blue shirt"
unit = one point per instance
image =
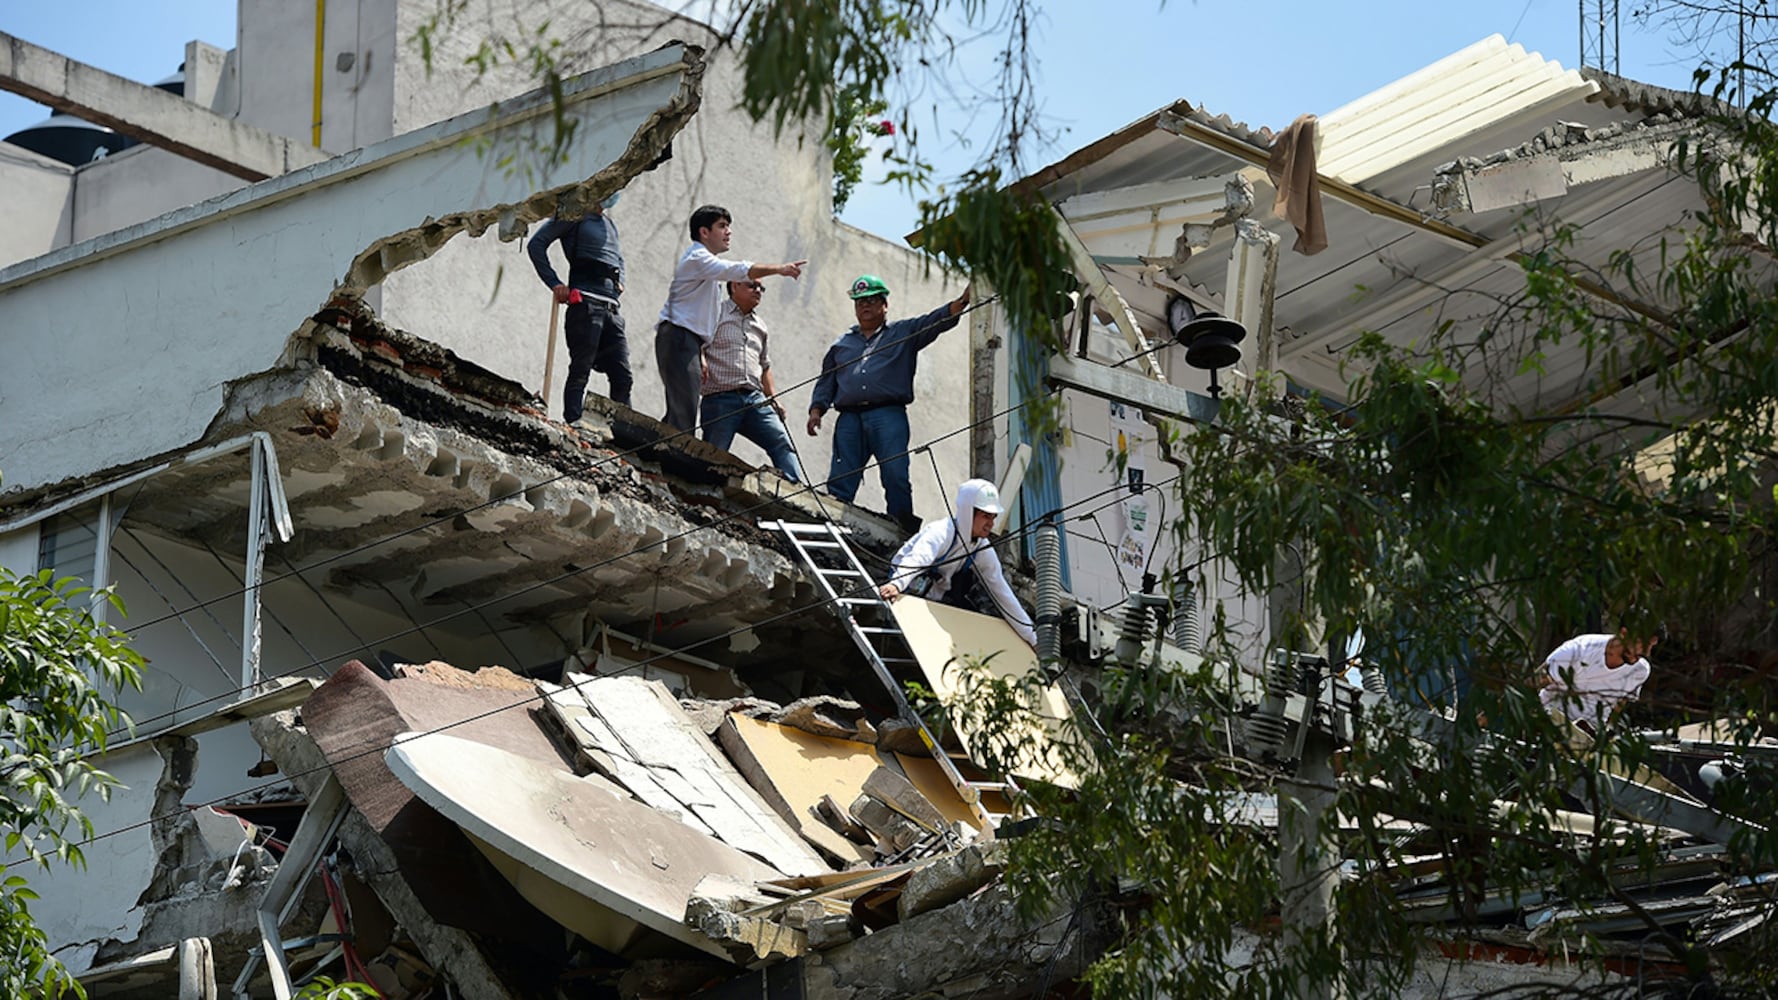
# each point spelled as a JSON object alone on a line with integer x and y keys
{"x": 868, "y": 375}
{"x": 594, "y": 328}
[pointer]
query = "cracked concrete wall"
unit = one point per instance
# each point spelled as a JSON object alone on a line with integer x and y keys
{"x": 199, "y": 297}
{"x": 81, "y": 910}
{"x": 481, "y": 297}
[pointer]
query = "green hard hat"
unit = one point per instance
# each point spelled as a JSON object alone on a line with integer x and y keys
{"x": 868, "y": 285}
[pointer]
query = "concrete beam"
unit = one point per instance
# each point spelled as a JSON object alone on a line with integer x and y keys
{"x": 143, "y": 112}
{"x": 1253, "y": 287}
{"x": 1151, "y": 220}
{"x": 1115, "y": 383}
{"x": 1522, "y": 177}
{"x": 1196, "y": 197}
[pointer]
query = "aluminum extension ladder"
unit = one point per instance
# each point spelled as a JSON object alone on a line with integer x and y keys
{"x": 849, "y": 588}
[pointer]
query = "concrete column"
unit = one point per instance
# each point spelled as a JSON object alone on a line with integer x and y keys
{"x": 1308, "y": 864}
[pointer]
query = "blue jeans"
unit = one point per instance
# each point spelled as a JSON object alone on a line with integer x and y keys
{"x": 747, "y": 413}
{"x": 880, "y": 432}
{"x": 596, "y": 343}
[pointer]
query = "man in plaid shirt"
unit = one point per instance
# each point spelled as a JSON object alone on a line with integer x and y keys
{"x": 738, "y": 395}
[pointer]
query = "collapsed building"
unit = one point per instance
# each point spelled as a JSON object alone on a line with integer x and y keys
{"x": 675, "y": 772}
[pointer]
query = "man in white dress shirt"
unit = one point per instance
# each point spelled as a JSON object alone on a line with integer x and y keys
{"x": 688, "y": 320}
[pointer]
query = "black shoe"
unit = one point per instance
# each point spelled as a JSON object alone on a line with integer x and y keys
{"x": 910, "y": 523}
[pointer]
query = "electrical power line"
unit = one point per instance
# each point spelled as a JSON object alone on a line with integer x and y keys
{"x": 521, "y": 491}
{"x": 550, "y": 581}
{"x": 536, "y": 698}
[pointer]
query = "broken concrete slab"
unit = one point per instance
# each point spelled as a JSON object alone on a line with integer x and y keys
{"x": 899, "y": 736}
{"x": 354, "y": 716}
{"x": 976, "y": 948}
{"x": 477, "y": 973}
{"x": 710, "y": 715}
{"x": 898, "y": 793}
{"x": 894, "y": 832}
{"x": 751, "y": 939}
{"x": 951, "y": 878}
{"x": 831, "y": 930}
{"x": 612, "y": 870}
{"x": 822, "y": 715}
{"x": 656, "y": 750}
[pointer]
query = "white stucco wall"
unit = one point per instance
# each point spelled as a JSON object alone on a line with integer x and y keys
{"x": 38, "y": 194}
{"x": 79, "y": 908}
{"x": 155, "y": 576}
{"x": 481, "y": 298}
{"x": 1103, "y": 570}
{"x": 276, "y": 55}
{"x": 138, "y": 184}
{"x": 18, "y": 550}
{"x": 212, "y": 293}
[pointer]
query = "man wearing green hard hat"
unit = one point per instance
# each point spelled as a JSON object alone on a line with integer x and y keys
{"x": 868, "y": 376}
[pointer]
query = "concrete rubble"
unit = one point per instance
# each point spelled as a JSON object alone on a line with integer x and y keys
{"x": 789, "y": 917}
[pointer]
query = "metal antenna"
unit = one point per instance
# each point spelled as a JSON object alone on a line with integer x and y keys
{"x": 1599, "y": 35}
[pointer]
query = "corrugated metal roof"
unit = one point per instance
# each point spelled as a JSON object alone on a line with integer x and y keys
{"x": 1437, "y": 107}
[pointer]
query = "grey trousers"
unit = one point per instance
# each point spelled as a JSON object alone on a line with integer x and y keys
{"x": 678, "y": 353}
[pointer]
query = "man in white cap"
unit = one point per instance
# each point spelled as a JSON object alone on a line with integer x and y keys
{"x": 951, "y": 561}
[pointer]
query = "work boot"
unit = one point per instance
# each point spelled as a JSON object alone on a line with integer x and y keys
{"x": 910, "y": 522}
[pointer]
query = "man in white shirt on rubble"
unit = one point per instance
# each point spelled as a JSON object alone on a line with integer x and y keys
{"x": 1590, "y": 677}
{"x": 951, "y": 560}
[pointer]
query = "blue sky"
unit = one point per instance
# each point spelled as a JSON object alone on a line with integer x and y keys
{"x": 1100, "y": 65}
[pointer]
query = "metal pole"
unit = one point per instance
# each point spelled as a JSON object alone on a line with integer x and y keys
{"x": 254, "y": 572}
{"x": 101, "y": 559}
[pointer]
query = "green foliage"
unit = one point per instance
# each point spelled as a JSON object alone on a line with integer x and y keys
{"x": 1461, "y": 527}
{"x": 57, "y": 667}
{"x": 323, "y": 988}
{"x": 816, "y": 60}
{"x": 856, "y": 118}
